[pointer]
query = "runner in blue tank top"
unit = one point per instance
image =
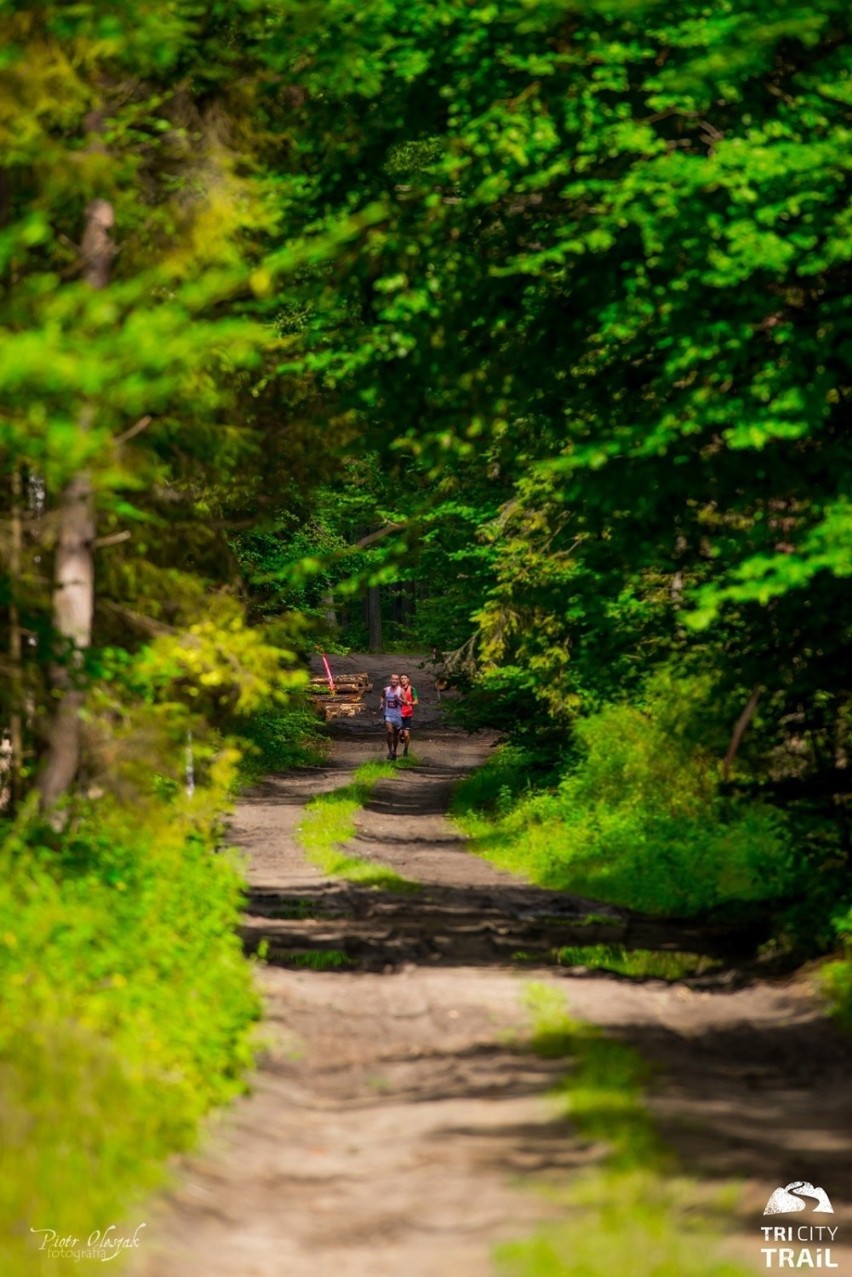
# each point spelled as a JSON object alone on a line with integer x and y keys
{"x": 391, "y": 703}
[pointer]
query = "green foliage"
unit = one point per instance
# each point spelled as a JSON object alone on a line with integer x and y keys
{"x": 127, "y": 1005}
{"x": 497, "y": 785}
{"x": 203, "y": 694}
{"x": 278, "y": 739}
{"x": 599, "y": 338}
{"x": 318, "y": 960}
{"x": 291, "y": 568}
{"x": 637, "y": 1224}
{"x": 642, "y": 964}
{"x": 637, "y": 821}
{"x": 552, "y": 303}
{"x": 154, "y": 385}
{"x": 836, "y": 976}
{"x": 126, "y": 997}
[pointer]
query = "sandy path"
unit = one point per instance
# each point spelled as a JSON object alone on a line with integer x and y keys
{"x": 395, "y": 1128}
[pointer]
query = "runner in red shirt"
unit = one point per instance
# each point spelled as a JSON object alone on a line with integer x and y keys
{"x": 408, "y": 698}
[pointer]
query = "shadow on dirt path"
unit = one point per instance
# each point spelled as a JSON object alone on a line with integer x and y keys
{"x": 397, "y": 1124}
{"x": 467, "y": 912}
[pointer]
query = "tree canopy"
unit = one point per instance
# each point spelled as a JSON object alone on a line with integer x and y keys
{"x": 602, "y": 329}
{"x": 575, "y": 277}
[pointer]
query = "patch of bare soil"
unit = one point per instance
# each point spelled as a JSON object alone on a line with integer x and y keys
{"x": 396, "y": 1128}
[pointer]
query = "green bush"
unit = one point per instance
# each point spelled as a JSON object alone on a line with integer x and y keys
{"x": 837, "y": 975}
{"x": 494, "y": 787}
{"x": 126, "y": 1011}
{"x": 636, "y": 822}
{"x": 277, "y": 739}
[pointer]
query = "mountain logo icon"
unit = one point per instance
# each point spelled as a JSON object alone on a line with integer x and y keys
{"x": 786, "y": 1200}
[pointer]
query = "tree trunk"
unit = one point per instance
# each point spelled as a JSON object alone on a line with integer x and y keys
{"x": 374, "y": 617}
{"x": 329, "y": 611}
{"x": 739, "y": 731}
{"x": 74, "y": 567}
{"x": 73, "y": 607}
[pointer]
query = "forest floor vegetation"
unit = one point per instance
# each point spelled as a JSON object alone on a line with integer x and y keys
{"x": 127, "y": 1010}
{"x": 637, "y": 817}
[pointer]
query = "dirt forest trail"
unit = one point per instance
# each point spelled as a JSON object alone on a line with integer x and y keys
{"x": 397, "y": 1127}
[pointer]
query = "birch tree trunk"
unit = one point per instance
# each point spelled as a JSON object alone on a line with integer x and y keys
{"x": 74, "y": 567}
{"x": 329, "y": 611}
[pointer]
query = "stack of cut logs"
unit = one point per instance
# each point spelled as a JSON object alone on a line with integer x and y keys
{"x": 347, "y": 698}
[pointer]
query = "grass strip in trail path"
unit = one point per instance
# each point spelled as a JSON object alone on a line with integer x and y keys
{"x": 638, "y": 964}
{"x": 642, "y": 964}
{"x": 319, "y": 960}
{"x": 329, "y": 823}
{"x": 633, "y": 1213}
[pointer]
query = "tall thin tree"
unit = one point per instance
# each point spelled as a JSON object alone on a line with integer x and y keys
{"x": 74, "y": 568}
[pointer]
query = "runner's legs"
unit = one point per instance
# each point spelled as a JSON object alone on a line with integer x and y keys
{"x": 392, "y": 726}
